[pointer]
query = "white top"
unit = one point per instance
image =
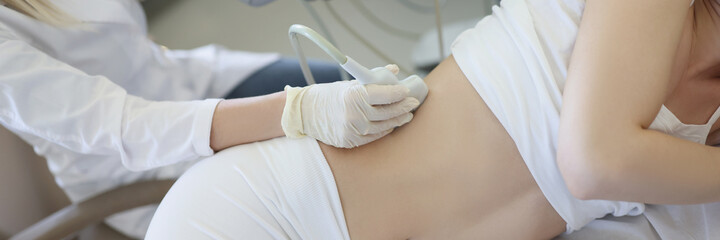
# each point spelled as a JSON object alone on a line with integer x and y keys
{"x": 517, "y": 60}
{"x": 89, "y": 99}
{"x": 698, "y": 221}
{"x": 668, "y": 123}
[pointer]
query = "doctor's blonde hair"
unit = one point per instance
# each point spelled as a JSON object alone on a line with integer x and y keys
{"x": 42, "y": 10}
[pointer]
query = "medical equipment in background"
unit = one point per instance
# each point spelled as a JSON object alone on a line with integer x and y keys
{"x": 379, "y": 75}
{"x": 424, "y": 55}
{"x": 387, "y": 27}
{"x": 382, "y": 25}
{"x": 324, "y": 29}
{"x": 83, "y": 217}
{"x": 438, "y": 24}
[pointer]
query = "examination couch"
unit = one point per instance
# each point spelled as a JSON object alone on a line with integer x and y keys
{"x": 32, "y": 206}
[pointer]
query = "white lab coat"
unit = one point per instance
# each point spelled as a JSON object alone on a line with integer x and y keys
{"x": 95, "y": 101}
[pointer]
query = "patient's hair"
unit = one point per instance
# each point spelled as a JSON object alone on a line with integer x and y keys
{"x": 42, "y": 10}
{"x": 712, "y": 6}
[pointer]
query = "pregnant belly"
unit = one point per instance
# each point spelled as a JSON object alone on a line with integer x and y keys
{"x": 453, "y": 172}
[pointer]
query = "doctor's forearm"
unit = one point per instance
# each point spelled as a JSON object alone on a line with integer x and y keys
{"x": 246, "y": 120}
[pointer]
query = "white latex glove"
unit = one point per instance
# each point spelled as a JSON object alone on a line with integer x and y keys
{"x": 346, "y": 114}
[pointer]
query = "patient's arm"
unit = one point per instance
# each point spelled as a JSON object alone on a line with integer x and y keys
{"x": 452, "y": 173}
{"x": 619, "y": 76}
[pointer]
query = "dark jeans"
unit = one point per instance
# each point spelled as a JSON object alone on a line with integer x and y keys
{"x": 285, "y": 71}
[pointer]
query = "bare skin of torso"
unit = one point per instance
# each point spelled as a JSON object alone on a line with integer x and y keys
{"x": 451, "y": 173}
{"x": 455, "y": 173}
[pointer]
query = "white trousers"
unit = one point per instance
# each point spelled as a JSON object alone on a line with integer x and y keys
{"x": 277, "y": 189}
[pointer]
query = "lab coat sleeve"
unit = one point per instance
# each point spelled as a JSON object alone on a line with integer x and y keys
{"x": 229, "y": 68}
{"x": 46, "y": 100}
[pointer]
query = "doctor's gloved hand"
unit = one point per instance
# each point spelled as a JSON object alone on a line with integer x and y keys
{"x": 346, "y": 114}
